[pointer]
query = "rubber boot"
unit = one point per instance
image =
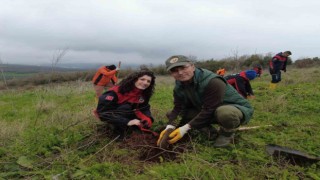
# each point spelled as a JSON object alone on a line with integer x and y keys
{"x": 225, "y": 138}
{"x": 272, "y": 86}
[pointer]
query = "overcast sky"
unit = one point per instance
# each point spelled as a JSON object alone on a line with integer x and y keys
{"x": 150, "y": 31}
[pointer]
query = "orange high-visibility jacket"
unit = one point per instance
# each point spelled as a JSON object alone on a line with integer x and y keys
{"x": 103, "y": 76}
{"x": 221, "y": 72}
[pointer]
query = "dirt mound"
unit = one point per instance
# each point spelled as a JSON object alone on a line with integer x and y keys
{"x": 144, "y": 143}
{"x": 149, "y": 151}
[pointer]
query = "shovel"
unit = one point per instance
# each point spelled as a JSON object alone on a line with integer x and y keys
{"x": 292, "y": 155}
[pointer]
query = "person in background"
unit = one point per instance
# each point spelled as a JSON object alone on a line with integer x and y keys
{"x": 258, "y": 69}
{"x": 203, "y": 98}
{"x": 276, "y": 64}
{"x": 221, "y": 72}
{"x": 127, "y": 104}
{"x": 241, "y": 82}
{"x": 104, "y": 78}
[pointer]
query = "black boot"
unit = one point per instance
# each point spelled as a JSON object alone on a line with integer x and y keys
{"x": 225, "y": 138}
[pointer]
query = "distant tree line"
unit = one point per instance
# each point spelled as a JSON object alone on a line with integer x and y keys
{"x": 231, "y": 64}
{"x": 307, "y": 62}
{"x": 236, "y": 64}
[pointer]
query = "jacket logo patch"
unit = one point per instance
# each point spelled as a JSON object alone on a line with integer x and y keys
{"x": 109, "y": 98}
{"x": 141, "y": 100}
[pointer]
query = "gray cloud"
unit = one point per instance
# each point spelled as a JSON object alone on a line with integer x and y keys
{"x": 140, "y": 31}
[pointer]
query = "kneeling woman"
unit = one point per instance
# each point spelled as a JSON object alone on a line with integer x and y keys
{"x": 127, "y": 104}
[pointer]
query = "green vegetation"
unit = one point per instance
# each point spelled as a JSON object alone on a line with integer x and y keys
{"x": 13, "y": 75}
{"x": 49, "y": 132}
{"x": 17, "y": 76}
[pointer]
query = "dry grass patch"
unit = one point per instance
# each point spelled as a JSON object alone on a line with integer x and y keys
{"x": 10, "y": 130}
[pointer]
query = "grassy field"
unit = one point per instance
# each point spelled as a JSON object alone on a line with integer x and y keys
{"x": 12, "y": 75}
{"x": 49, "y": 133}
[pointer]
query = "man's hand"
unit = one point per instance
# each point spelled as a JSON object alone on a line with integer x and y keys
{"x": 177, "y": 134}
{"x": 163, "y": 132}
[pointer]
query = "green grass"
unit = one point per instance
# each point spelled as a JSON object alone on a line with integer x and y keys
{"x": 49, "y": 132}
{"x": 12, "y": 75}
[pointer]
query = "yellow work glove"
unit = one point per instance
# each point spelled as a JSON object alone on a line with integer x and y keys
{"x": 163, "y": 132}
{"x": 177, "y": 134}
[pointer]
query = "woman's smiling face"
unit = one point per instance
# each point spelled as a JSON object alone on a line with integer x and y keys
{"x": 143, "y": 82}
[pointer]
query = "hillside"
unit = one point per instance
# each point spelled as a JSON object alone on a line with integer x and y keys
{"x": 62, "y": 67}
{"x": 49, "y": 132}
{"x": 18, "y": 68}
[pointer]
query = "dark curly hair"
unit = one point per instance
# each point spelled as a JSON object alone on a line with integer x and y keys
{"x": 128, "y": 83}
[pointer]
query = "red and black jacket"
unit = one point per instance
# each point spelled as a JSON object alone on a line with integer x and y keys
{"x": 278, "y": 62}
{"x": 241, "y": 83}
{"x": 118, "y": 109}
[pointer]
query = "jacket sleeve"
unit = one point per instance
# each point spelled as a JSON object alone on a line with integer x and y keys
{"x": 284, "y": 67}
{"x": 241, "y": 85}
{"x": 144, "y": 114}
{"x": 145, "y": 109}
{"x": 108, "y": 111}
{"x": 107, "y": 73}
{"x": 248, "y": 88}
{"x": 214, "y": 93}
